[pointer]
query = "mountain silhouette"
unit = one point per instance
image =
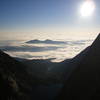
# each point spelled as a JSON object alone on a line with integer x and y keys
{"x": 47, "y": 41}
{"x": 84, "y": 81}
{"x": 19, "y": 81}
{"x": 15, "y": 82}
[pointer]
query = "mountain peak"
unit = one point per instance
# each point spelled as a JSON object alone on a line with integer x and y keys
{"x": 96, "y": 41}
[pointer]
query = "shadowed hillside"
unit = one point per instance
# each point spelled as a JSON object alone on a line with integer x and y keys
{"x": 84, "y": 82}
{"x": 15, "y": 83}
{"x": 26, "y": 80}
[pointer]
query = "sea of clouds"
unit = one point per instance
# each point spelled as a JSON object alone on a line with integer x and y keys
{"x": 44, "y": 49}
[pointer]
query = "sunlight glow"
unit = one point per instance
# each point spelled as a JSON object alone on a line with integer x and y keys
{"x": 87, "y": 8}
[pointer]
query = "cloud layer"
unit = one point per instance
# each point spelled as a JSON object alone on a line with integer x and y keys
{"x": 38, "y": 49}
{"x": 28, "y": 48}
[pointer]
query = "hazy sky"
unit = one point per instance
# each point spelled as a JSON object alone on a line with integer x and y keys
{"x": 28, "y": 17}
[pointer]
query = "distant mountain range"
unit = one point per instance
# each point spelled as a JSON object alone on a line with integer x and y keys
{"x": 48, "y": 41}
{"x": 45, "y": 42}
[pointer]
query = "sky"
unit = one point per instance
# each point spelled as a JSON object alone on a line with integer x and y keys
{"x": 44, "y": 18}
{"x": 57, "y": 20}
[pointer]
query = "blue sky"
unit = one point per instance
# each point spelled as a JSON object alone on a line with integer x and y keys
{"x": 33, "y": 16}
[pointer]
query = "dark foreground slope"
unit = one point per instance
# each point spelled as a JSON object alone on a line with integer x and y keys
{"x": 84, "y": 82}
{"x": 15, "y": 83}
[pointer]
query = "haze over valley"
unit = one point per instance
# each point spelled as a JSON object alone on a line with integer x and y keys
{"x": 59, "y": 49}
